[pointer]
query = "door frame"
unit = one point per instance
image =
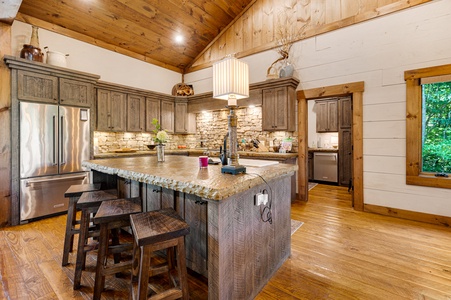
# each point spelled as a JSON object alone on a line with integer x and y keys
{"x": 355, "y": 90}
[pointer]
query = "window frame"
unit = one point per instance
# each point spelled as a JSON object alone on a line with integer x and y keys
{"x": 414, "y": 121}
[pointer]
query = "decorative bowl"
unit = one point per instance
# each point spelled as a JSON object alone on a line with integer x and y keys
{"x": 151, "y": 147}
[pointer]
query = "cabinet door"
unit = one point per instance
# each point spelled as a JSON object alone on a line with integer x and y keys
{"x": 332, "y": 116}
{"x": 37, "y": 87}
{"x": 103, "y": 110}
{"x": 321, "y": 116}
{"x": 75, "y": 93}
{"x": 167, "y": 116}
{"x": 158, "y": 198}
{"x": 345, "y": 156}
{"x": 152, "y": 112}
{"x": 181, "y": 118}
{"x": 268, "y": 109}
{"x": 280, "y": 109}
{"x": 310, "y": 166}
{"x": 345, "y": 113}
{"x": 196, "y": 241}
{"x": 117, "y": 111}
{"x": 135, "y": 113}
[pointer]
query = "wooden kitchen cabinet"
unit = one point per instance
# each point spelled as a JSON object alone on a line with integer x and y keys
{"x": 37, "y": 87}
{"x": 153, "y": 107}
{"x": 167, "y": 116}
{"x": 111, "y": 110}
{"x": 326, "y": 116}
{"x": 136, "y": 113}
{"x": 76, "y": 93}
{"x": 345, "y": 156}
{"x": 278, "y": 109}
{"x": 195, "y": 214}
{"x": 344, "y": 112}
{"x": 310, "y": 166}
{"x": 184, "y": 122}
{"x": 155, "y": 197}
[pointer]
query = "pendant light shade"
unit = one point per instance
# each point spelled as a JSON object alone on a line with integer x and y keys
{"x": 230, "y": 80}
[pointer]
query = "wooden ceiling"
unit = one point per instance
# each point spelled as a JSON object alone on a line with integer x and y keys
{"x": 144, "y": 29}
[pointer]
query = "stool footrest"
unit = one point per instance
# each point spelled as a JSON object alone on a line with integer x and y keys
{"x": 116, "y": 268}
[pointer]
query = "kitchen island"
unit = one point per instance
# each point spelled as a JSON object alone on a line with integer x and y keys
{"x": 236, "y": 244}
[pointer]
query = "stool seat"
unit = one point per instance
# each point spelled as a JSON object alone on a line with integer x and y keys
{"x": 88, "y": 203}
{"x": 73, "y": 193}
{"x": 157, "y": 226}
{"x": 112, "y": 215}
{"x": 154, "y": 231}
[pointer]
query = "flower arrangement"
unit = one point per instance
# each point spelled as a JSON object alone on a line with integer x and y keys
{"x": 161, "y": 136}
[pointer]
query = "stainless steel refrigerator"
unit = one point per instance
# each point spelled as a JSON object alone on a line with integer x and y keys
{"x": 54, "y": 140}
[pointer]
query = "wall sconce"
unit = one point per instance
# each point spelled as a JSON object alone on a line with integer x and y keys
{"x": 231, "y": 82}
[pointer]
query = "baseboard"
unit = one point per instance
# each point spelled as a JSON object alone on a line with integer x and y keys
{"x": 409, "y": 215}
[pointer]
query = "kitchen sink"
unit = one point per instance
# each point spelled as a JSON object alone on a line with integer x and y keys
{"x": 256, "y": 162}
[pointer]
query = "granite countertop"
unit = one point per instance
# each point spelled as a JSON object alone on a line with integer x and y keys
{"x": 182, "y": 173}
{"x": 197, "y": 152}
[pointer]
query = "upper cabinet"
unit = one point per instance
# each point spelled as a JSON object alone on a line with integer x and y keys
{"x": 76, "y": 93}
{"x": 345, "y": 112}
{"x": 327, "y": 115}
{"x": 111, "y": 109}
{"x": 136, "y": 112}
{"x": 153, "y": 107}
{"x": 279, "y": 107}
{"x": 167, "y": 116}
{"x": 185, "y": 122}
{"x": 37, "y": 87}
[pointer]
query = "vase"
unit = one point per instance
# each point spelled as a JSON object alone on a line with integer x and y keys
{"x": 160, "y": 152}
{"x": 34, "y": 41}
{"x": 286, "y": 71}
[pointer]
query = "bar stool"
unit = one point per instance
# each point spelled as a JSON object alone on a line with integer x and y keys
{"x": 113, "y": 214}
{"x": 153, "y": 231}
{"x": 73, "y": 193}
{"x": 88, "y": 203}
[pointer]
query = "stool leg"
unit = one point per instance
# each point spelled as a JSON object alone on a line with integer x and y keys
{"x": 70, "y": 227}
{"x": 182, "y": 267}
{"x": 81, "y": 256}
{"x": 143, "y": 280}
{"x": 99, "y": 283}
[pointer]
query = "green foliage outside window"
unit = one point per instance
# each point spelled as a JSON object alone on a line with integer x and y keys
{"x": 436, "y": 131}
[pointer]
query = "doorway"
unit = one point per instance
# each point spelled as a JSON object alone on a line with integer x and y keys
{"x": 355, "y": 90}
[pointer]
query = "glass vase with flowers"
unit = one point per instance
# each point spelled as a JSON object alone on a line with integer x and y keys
{"x": 160, "y": 138}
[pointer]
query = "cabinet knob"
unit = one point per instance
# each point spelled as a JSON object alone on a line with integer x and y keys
{"x": 156, "y": 191}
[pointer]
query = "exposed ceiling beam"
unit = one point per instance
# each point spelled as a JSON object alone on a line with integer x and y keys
{"x": 8, "y": 10}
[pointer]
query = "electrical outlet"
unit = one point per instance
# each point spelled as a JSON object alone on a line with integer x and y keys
{"x": 265, "y": 199}
{"x": 259, "y": 198}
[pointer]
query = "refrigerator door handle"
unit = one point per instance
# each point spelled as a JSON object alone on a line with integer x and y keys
{"x": 33, "y": 181}
{"x": 62, "y": 161}
{"x": 54, "y": 141}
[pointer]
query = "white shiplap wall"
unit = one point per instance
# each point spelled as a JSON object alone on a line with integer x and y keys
{"x": 376, "y": 52}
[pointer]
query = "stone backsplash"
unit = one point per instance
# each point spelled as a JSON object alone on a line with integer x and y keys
{"x": 211, "y": 129}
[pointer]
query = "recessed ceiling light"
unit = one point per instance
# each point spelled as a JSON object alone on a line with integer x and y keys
{"x": 178, "y": 39}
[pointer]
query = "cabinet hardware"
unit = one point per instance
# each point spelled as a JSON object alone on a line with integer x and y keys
{"x": 156, "y": 191}
{"x": 200, "y": 202}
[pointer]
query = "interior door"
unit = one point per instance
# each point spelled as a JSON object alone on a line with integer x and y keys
{"x": 74, "y": 138}
{"x": 38, "y": 139}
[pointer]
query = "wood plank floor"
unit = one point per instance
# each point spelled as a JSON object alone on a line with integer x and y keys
{"x": 338, "y": 253}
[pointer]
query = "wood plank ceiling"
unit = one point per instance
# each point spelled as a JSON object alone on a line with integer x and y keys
{"x": 144, "y": 28}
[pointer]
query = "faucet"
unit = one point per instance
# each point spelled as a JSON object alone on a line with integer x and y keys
{"x": 223, "y": 154}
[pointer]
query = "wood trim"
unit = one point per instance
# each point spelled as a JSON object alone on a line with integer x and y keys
{"x": 355, "y": 89}
{"x": 409, "y": 215}
{"x": 5, "y": 128}
{"x": 414, "y": 122}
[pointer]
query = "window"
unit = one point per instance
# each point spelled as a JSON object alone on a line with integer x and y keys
{"x": 428, "y": 126}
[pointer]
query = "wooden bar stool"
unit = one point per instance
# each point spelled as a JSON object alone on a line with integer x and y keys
{"x": 154, "y": 231}
{"x": 88, "y": 203}
{"x": 113, "y": 214}
{"x": 73, "y": 193}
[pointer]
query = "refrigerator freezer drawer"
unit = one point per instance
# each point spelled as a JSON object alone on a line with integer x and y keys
{"x": 43, "y": 196}
{"x": 325, "y": 166}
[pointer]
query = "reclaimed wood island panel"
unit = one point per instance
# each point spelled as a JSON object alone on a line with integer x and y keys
{"x": 236, "y": 244}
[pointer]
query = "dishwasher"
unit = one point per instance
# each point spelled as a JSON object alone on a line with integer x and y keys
{"x": 325, "y": 166}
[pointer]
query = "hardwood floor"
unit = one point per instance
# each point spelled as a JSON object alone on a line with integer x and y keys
{"x": 338, "y": 253}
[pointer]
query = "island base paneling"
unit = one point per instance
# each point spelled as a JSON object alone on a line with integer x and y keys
{"x": 236, "y": 244}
